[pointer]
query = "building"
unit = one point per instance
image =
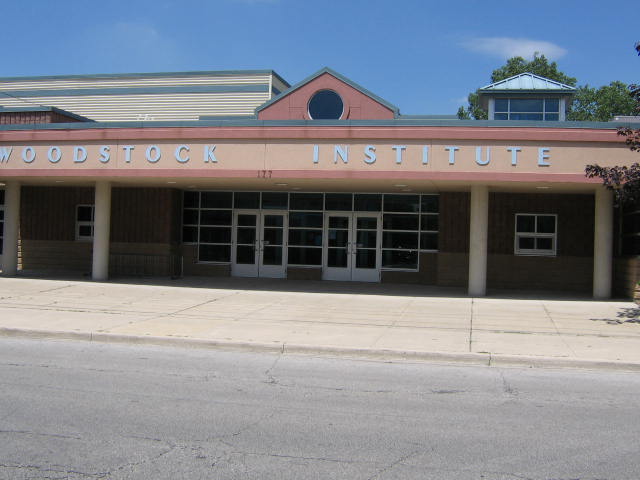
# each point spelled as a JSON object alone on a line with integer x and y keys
{"x": 238, "y": 173}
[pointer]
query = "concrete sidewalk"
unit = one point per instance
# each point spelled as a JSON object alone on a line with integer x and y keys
{"x": 363, "y": 320}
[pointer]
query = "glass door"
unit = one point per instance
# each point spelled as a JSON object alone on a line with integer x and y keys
{"x": 271, "y": 259}
{"x": 258, "y": 244}
{"x": 337, "y": 247}
{"x": 366, "y": 247}
{"x": 244, "y": 261}
{"x": 352, "y": 247}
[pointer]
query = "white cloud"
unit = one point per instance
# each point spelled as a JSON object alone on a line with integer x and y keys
{"x": 506, "y": 47}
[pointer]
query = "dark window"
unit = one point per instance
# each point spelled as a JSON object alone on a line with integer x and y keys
{"x": 367, "y": 202}
{"x": 214, "y": 253}
{"x": 305, "y": 256}
{"x": 275, "y": 200}
{"x": 535, "y": 234}
{"x": 305, "y": 201}
{"x": 430, "y": 203}
{"x": 325, "y": 105}
{"x": 400, "y": 259}
{"x": 393, "y": 221}
{"x": 215, "y": 217}
{"x": 402, "y": 203}
{"x": 338, "y": 201}
{"x": 305, "y": 220}
{"x": 191, "y": 199}
{"x": 248, "y": 200}
{"x": 216, "y": 199}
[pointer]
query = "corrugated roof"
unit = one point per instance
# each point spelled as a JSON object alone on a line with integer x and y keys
{"x": 527, "y": 81}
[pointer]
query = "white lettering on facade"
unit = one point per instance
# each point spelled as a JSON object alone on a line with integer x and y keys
{"x": 127, "y": 152}
{"x": 479, "y": 160}
{"x": 543, "y": 157}
{"x": 105, "y": 153}
{"x": 79, "y": 154}
{"x": 401, "y": 154}
{"x": 179, "y": 157}
{"x": 452, "y": 154}
{"x": 343, "y": 153}
{"x": 425, "y": 155}
{"x": 5, "y": 154}
{"x": 514, "y": 154}
{"x": 370, "y": 154}
{"x": 209, "y": 156}
{"x": 399, "y": 149}
{"x": 54, "y": 154}
{"x": 28, "y": 154}
{"x": 153, "y": 154}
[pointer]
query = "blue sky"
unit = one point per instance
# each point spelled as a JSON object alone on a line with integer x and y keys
{"x": 423, "y": 56}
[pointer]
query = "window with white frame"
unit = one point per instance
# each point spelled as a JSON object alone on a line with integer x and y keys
{"x": 536, "y": 234}
{"x": 547, "y": 109}
{"x": 84, "y": 222}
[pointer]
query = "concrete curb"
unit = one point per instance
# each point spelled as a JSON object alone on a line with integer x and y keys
{"x": 466, "y": 358}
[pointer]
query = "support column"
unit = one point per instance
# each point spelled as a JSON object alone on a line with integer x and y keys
{"x": 11, "y": 228}
{"x": 101, "y": 231}
{"x": 603, "y": 244}
{"x": 478, "y": 233}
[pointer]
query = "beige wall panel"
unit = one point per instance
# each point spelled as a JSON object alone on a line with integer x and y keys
{"x": 299, "y": 156}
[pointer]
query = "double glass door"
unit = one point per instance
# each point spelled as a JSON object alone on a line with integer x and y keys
{"x": 352, "y": 247}
{"x": 259, "y": 244}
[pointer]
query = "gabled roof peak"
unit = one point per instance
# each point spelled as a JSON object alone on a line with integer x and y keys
{"x": 527, "y": 81}
{"x": 340, "y": 77}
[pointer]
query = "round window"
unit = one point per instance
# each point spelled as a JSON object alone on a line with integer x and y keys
{"x": 325, "y": 105}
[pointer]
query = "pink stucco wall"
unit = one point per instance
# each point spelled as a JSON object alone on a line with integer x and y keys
{"x": 357, "y": 106}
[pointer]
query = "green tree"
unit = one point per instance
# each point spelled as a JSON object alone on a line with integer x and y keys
{"x": 515, "y": 66}
{"x": 600, "y": 105}
{"x": 623, "y": 180}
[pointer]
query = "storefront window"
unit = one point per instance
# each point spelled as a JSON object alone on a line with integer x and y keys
{"x": 409, "y": 224}
{"x": 207, "y": 222}
{"x": 305, "y": 235}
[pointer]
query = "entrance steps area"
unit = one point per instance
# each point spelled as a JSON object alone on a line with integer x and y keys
{"x": 379, "y": 321}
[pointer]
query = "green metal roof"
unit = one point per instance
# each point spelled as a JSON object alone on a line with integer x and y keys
{"x": 527, "y": 83}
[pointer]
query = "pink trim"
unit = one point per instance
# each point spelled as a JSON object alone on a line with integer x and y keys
{"x": 102, "y": 174}
{"x": 309, "y": 134}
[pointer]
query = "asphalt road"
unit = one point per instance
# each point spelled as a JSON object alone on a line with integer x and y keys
{"x": 75, "y": 410}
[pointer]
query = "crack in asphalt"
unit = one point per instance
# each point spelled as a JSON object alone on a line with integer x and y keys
{"x": 394, "y": 464}
{"x": 39, "y": 434}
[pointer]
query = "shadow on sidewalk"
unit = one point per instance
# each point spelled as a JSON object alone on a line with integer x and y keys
{"x": 625, "y": 315}
{"x": 320, "y": 286}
